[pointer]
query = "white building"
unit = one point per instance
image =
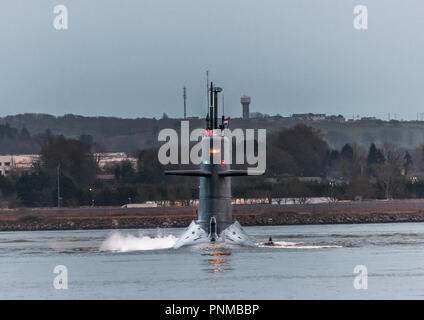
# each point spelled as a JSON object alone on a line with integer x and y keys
{"x": 25, "y": 161}
{"x": 109, "y": 159}
{"x": 18, "y": 162}
{"x": 309, "y": 116}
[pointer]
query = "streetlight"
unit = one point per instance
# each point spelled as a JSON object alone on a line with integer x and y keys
{"x": 332, "y": 184}
{"x": 91, "y": 196}
{"x": 59, "y": 198}
{"x": 414, "y": 181}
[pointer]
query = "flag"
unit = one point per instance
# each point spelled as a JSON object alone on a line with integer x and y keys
{"x": 225, "y": 122}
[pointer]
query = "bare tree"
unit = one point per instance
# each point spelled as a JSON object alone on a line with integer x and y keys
{"x": 359, "y": 160}
{"x": 388, "y": 174}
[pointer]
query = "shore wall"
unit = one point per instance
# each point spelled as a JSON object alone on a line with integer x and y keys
{"x": 247, "y": 215}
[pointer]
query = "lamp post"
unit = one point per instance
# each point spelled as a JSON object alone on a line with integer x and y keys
{"x": 59, "y": 198}
{"x": 332, "y": 184}
{"x": 91, "y": 196}
{"x": 413, "y": 181}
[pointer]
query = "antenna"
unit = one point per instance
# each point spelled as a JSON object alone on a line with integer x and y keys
{"x": 223, "y": 105}
{"x": 207, "y": 90}
{"x": 215, "y": 110}
{"x": 216, "y": 90}
{"x": 208, "y": 119}
{"x": 211, "y": 113}
{"x": 185, "y": 103}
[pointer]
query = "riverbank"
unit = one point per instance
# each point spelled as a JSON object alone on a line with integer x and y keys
{"x": 247, "y": 215}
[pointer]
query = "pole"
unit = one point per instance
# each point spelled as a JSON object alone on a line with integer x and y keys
{"x": 211, "y": 109}
{"x": 58, "y": 185}
{"x": 207, "y": 90}
{"x": 185, "y": 103}
{"x": 215, "y": 116}
{"x": 223, "y": 105}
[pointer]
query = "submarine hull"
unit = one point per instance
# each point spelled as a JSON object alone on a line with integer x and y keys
{"x": 196, "y": 235}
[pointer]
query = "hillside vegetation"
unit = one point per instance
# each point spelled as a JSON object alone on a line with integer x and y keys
{"x": 130, "y": 135}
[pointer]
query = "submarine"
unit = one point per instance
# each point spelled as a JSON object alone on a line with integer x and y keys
{"x": 214, "y": 222}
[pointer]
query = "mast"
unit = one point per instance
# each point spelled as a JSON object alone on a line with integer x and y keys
{"x": 211, "y": 107}
{"x": 215, "y": 115}
{"x": 185, "y": 103}
{"x": 223, "y": 106}
{"x": 207, "y": 98}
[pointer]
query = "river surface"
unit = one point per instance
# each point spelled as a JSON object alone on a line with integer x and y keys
{"x": 311, "y": 262}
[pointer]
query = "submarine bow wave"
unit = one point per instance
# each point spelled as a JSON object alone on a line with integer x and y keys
{"x": 118, "y": 242}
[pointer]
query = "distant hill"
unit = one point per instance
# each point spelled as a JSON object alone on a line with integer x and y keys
{"x": 130, "y": 135}
{"x": 114, "y": 134}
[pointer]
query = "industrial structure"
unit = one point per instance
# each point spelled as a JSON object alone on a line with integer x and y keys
{"x": 245, "y": 102}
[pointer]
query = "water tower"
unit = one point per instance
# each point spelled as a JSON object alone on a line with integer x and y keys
{"x": 245, "y": 101}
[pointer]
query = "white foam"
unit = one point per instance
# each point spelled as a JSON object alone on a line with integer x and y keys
{"x": 296, "y": 245}
{"x": 119, "y": 242}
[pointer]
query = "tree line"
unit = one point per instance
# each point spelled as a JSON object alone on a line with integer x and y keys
{"x": 300, "y": 164}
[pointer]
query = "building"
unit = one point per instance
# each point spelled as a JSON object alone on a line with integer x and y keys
{"x": 245, "y": 102}
{"x": 338, "y": 118}
{"x": 309, "y": 116}
{"x": 369, "y": 119}
{"x": 25, "y": 162}
{"x": 5, "y": 164}
{"x": 110, "y": 159}
{"x": 17, "y": 162}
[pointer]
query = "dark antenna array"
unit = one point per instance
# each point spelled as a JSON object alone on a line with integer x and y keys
{"x": 212, "y": 115}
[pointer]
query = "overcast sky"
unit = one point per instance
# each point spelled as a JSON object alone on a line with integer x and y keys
{"x": 131, "y": 58}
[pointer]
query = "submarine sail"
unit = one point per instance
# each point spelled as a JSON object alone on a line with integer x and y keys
{"x": 215, "y": 220}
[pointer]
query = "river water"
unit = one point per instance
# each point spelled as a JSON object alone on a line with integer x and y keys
{"x": 311, "y": 262}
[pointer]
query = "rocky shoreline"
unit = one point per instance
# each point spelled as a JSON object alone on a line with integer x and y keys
{"x": 247, "y": 215}
{"x": 35, "y": 224}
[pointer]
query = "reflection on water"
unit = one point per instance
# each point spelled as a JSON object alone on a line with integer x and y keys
{"x": 217, "y": 259}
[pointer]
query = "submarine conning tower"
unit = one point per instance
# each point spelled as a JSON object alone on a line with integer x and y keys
{"x": 215, "y": 174}
{"x": 215, "y": 189}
